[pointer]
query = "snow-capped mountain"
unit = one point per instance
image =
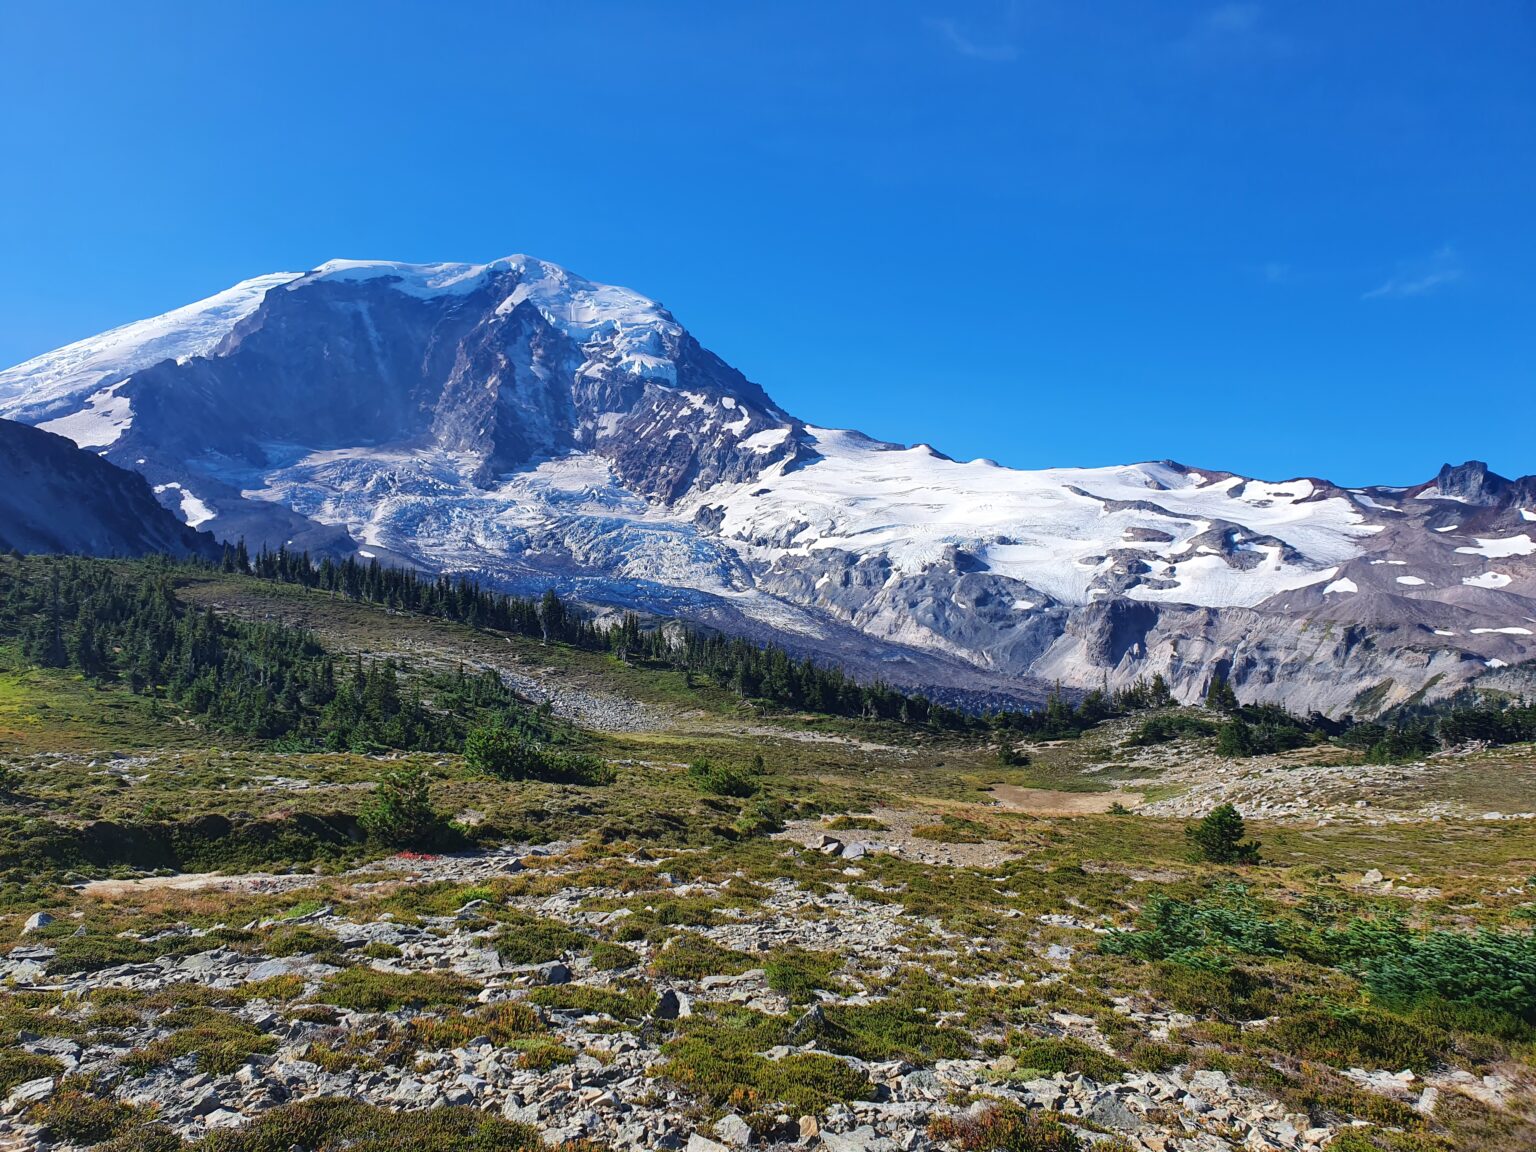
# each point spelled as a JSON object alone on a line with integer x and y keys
{"x": 515, "y": 420}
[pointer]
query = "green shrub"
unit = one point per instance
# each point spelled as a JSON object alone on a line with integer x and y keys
{"x": 1357, "y": 1037}
{"x": 688, "y": 956}
{"x": 221, "y": 1043}
{"x": 799, "y": 974}
{"x": 1051, "y": 1054}
{"x": 1155, "y": 1056}
{"x": 1005, "y": 1128}
{"x": 76, "y": 1115}
{"x": 18, "y": 1067}
{"x": 1226, "y": 992}
{"x": 856, "y": 824}
{"x": 1167, "y": 726}
{"x": 1197, "y": 932}
{"x": 508, "y": 1024}
{"x": 632, "y": 1002}
{"x": 761, "y": 817}
{"x": 613, "y": 957}
{"x": 332, "y": 1125}
{"x": 507, "y": 755}
{"x": 1491, "y": 970}
{"x": 722, "y": 779}
{"x": 1373, "y": 1139}
{"x": 369, "y": 990}
{"x": 528, "y": 939}
{"x": 286, "y": 987}
{"x": 952, "y": 830}
{"x": 890, "y": 1030}
{"x": 144, "y": 1138}
{"x": 302, "y": 940}
{"x": 93, "y": 951}
{"x": 728, "y": 1076}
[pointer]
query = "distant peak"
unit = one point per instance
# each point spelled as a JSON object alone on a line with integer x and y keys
{"x": 1470, "y": 482}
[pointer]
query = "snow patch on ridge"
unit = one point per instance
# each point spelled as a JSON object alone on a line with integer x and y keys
{"x": 193, "y": 510}
{"x": 50, "y": 382}
{"x": 105, "y": 417}
{"x": 1521, "y": 545}
{"x": 1050, "y": 528}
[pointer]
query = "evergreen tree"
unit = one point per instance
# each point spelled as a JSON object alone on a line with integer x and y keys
{"x": 401, "y": 814}
{"x": 1219, "y": 838}
{"x": 1219, "y": 696}
{"x": 1234, "y": 739}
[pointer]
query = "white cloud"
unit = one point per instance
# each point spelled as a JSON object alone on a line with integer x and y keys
{"x": 996, "y": 47}
{"x": 1234, "y": 31}
{"x": 1419, "y": 278}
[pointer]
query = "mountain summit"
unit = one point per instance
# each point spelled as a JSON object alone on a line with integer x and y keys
{"x": 517, "y": 421}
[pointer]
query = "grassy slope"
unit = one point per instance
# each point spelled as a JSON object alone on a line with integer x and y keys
{"x": 1103, "y": 868}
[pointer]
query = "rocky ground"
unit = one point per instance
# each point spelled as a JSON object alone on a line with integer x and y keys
{"x": 594, "y": 1061}
{"x": 1291, "y": 788}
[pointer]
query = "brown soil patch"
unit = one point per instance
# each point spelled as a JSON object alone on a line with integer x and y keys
{"x": 1048, "y": 802}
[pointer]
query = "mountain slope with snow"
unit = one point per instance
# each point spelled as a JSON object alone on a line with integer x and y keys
{"x": 517, "y": 421}
{"x": 55, "y": 497}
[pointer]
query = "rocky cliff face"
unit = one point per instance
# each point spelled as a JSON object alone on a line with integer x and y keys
{"x": 55, "y": 497}
{"x": 514, "y": 420}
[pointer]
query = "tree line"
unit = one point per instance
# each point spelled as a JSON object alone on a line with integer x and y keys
{"x": 1406, "y": 734}
{"x": 264, "y": 680}
{"x": 767, "y": 674}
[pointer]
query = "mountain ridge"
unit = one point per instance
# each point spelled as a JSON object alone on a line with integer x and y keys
{"x": 517, "y": 421}
{"x": 56, "y": 497}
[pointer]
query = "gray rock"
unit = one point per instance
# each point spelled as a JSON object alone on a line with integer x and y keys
{"x": 697, "y": 1143}
{"x": 552, "y": 972}
{"x": 808, "y": 1025}
{"x": 281, "y": 966}
{"x": 864, "y": 1138}
{"x": 35, "y": 921}
{"x": 1211, "y": 1085}
{"x": 29, "y": 1093}
{"x": 1110, "y": 1112}
{"x": 1045, "y": 1093}
{"x": 733, "y": 1130}
{"x": 672, "y": 1005}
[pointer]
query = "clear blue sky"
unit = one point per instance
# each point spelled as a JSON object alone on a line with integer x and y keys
{"x": 1277, "y": 238}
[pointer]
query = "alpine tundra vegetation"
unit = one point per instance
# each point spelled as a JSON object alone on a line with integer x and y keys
{"x": 327, "y": 855}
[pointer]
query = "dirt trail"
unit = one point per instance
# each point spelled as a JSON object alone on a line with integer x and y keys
{"x": 195, "y": 881}
{"x": 898, "y": 836}
{"x": 1048, "y": 802}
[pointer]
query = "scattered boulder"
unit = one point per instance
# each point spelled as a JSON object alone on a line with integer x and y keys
{"x": 733, "y": 1130}
{"x": 35, "y": 921}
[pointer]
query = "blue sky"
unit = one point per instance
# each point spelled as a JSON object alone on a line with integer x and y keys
{"x": 1272, "y": 238}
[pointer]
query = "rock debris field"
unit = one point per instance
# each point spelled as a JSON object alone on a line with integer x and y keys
{"x": 583, "y": 1045}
